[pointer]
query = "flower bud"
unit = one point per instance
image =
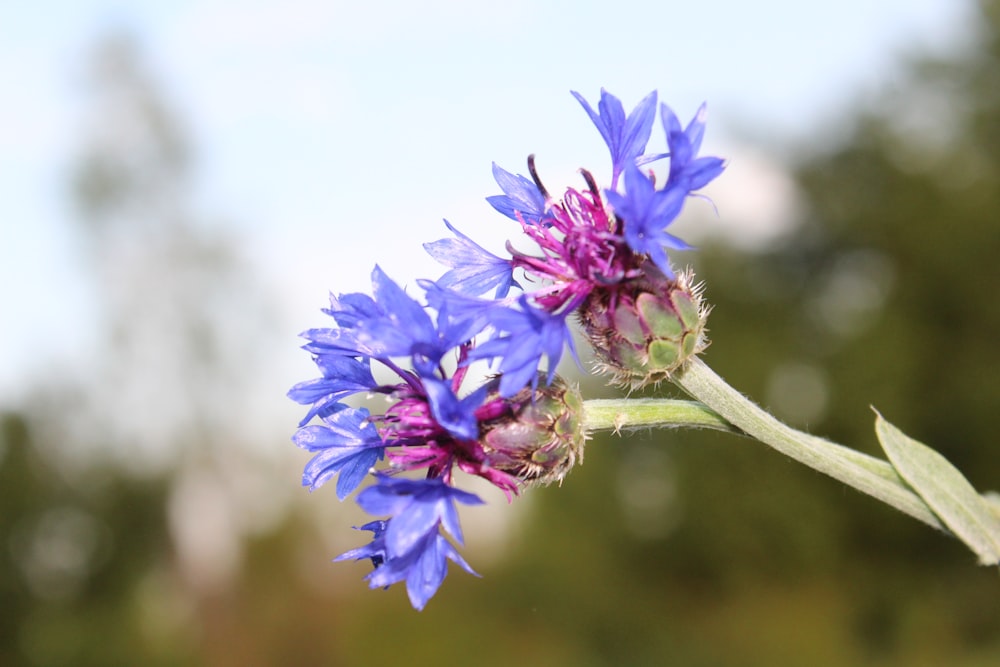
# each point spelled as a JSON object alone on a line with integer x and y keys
{"x": 645, "y": 328}
{"x": 539, "y": 434}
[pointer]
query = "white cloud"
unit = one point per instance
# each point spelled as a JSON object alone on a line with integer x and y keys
{"x": 756, "y": 198}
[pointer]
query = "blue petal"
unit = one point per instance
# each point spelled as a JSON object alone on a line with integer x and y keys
{"x": 416, "y": 507}
{"x": 626, "y": 137}
{"x": 458, "y": 416}
{"x": 342, "y": 377}
{"x": 346, "y": 443}
{"x": 448, "y": 514}
{"x": 391, "y": 325}
{"x": 529, "y": 333}
{"x": 375, "y": 550}
{"x": 695, "y": 130}
{"x": 475, "y": 270}
{"x": 347, "y": 428}
{"x": 645, "y": 213}
{"x": 687, "y": 171}
{"x": 423, "y": 568}
{"x": 702, "y": 171}
{"x": 354, "y": 470}
{"x": 427, "y": 573}
{"x": 460, "y": 316}
{"x": 520, "y": 195}
{"x": 382, "y": 500}
{"x": 348, "y": 309}
{"x": 403, "y": 322}
{"x": 408, "y": 527}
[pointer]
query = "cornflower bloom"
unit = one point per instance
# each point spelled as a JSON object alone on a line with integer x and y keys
{"x": 427, "y": 427}
{"x": 601, "y": 255}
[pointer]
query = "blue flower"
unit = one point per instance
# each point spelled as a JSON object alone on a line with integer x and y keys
{"x": 528, "y": 334}
{"x": 459, "y": 314}
{"x": 688, "y": 171}
{"x": 626, "y": 137}
{"x": 392, "y": 324}
{"x": 374, "y": 550}
{"x": 423, "y": 568}
{"x": 416, "y": 508}
{"x": 409, "y": 545}
{"x": 342, "y": 377}
{"x": 457, "y": 416}
{"x": 474, "y": 270}
{"x": 645, "y": 213}
{"x": 347, "y": 443}
{"x": 520, "y": 195}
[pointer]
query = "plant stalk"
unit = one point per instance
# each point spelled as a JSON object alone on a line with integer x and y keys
{"x": 865, "y": 473}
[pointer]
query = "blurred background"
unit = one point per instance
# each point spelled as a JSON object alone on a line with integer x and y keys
{"x": 181, "y": 183}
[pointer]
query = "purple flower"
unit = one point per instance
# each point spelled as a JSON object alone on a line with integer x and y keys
{"x": 688, "y": 171}
{"x": 474, "y": 270}
{"x": 626, "y": 137}
{"x": 528, "y": 334}
{"x": 347, "y": 443}
{"x": 645, "y": 213}
{"x": 520, "y": 196}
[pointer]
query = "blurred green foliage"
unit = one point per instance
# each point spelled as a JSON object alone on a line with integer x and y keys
{"x": 81, "y": 563}
{"x": 679, "y": 548}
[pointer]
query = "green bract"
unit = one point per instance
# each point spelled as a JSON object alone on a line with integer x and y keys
{"x": 644, "y": 329}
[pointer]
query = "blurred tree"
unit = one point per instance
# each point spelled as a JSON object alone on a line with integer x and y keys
{"x": 180, "y": 311}
{"x": 85, "y": 575}
{"x": 128, "y": 490}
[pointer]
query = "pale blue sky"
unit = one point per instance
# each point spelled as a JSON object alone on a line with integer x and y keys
{"x": 338, "y": 134}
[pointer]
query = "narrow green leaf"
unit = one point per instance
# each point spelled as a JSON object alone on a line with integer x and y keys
{"x": 945, "y": 490}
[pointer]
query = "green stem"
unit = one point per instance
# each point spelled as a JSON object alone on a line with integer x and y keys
{"x": 865, "y": 473}
{"x": 625, "y": 413}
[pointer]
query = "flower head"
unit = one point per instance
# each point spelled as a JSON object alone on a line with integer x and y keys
{"x": 431, "y": 424}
